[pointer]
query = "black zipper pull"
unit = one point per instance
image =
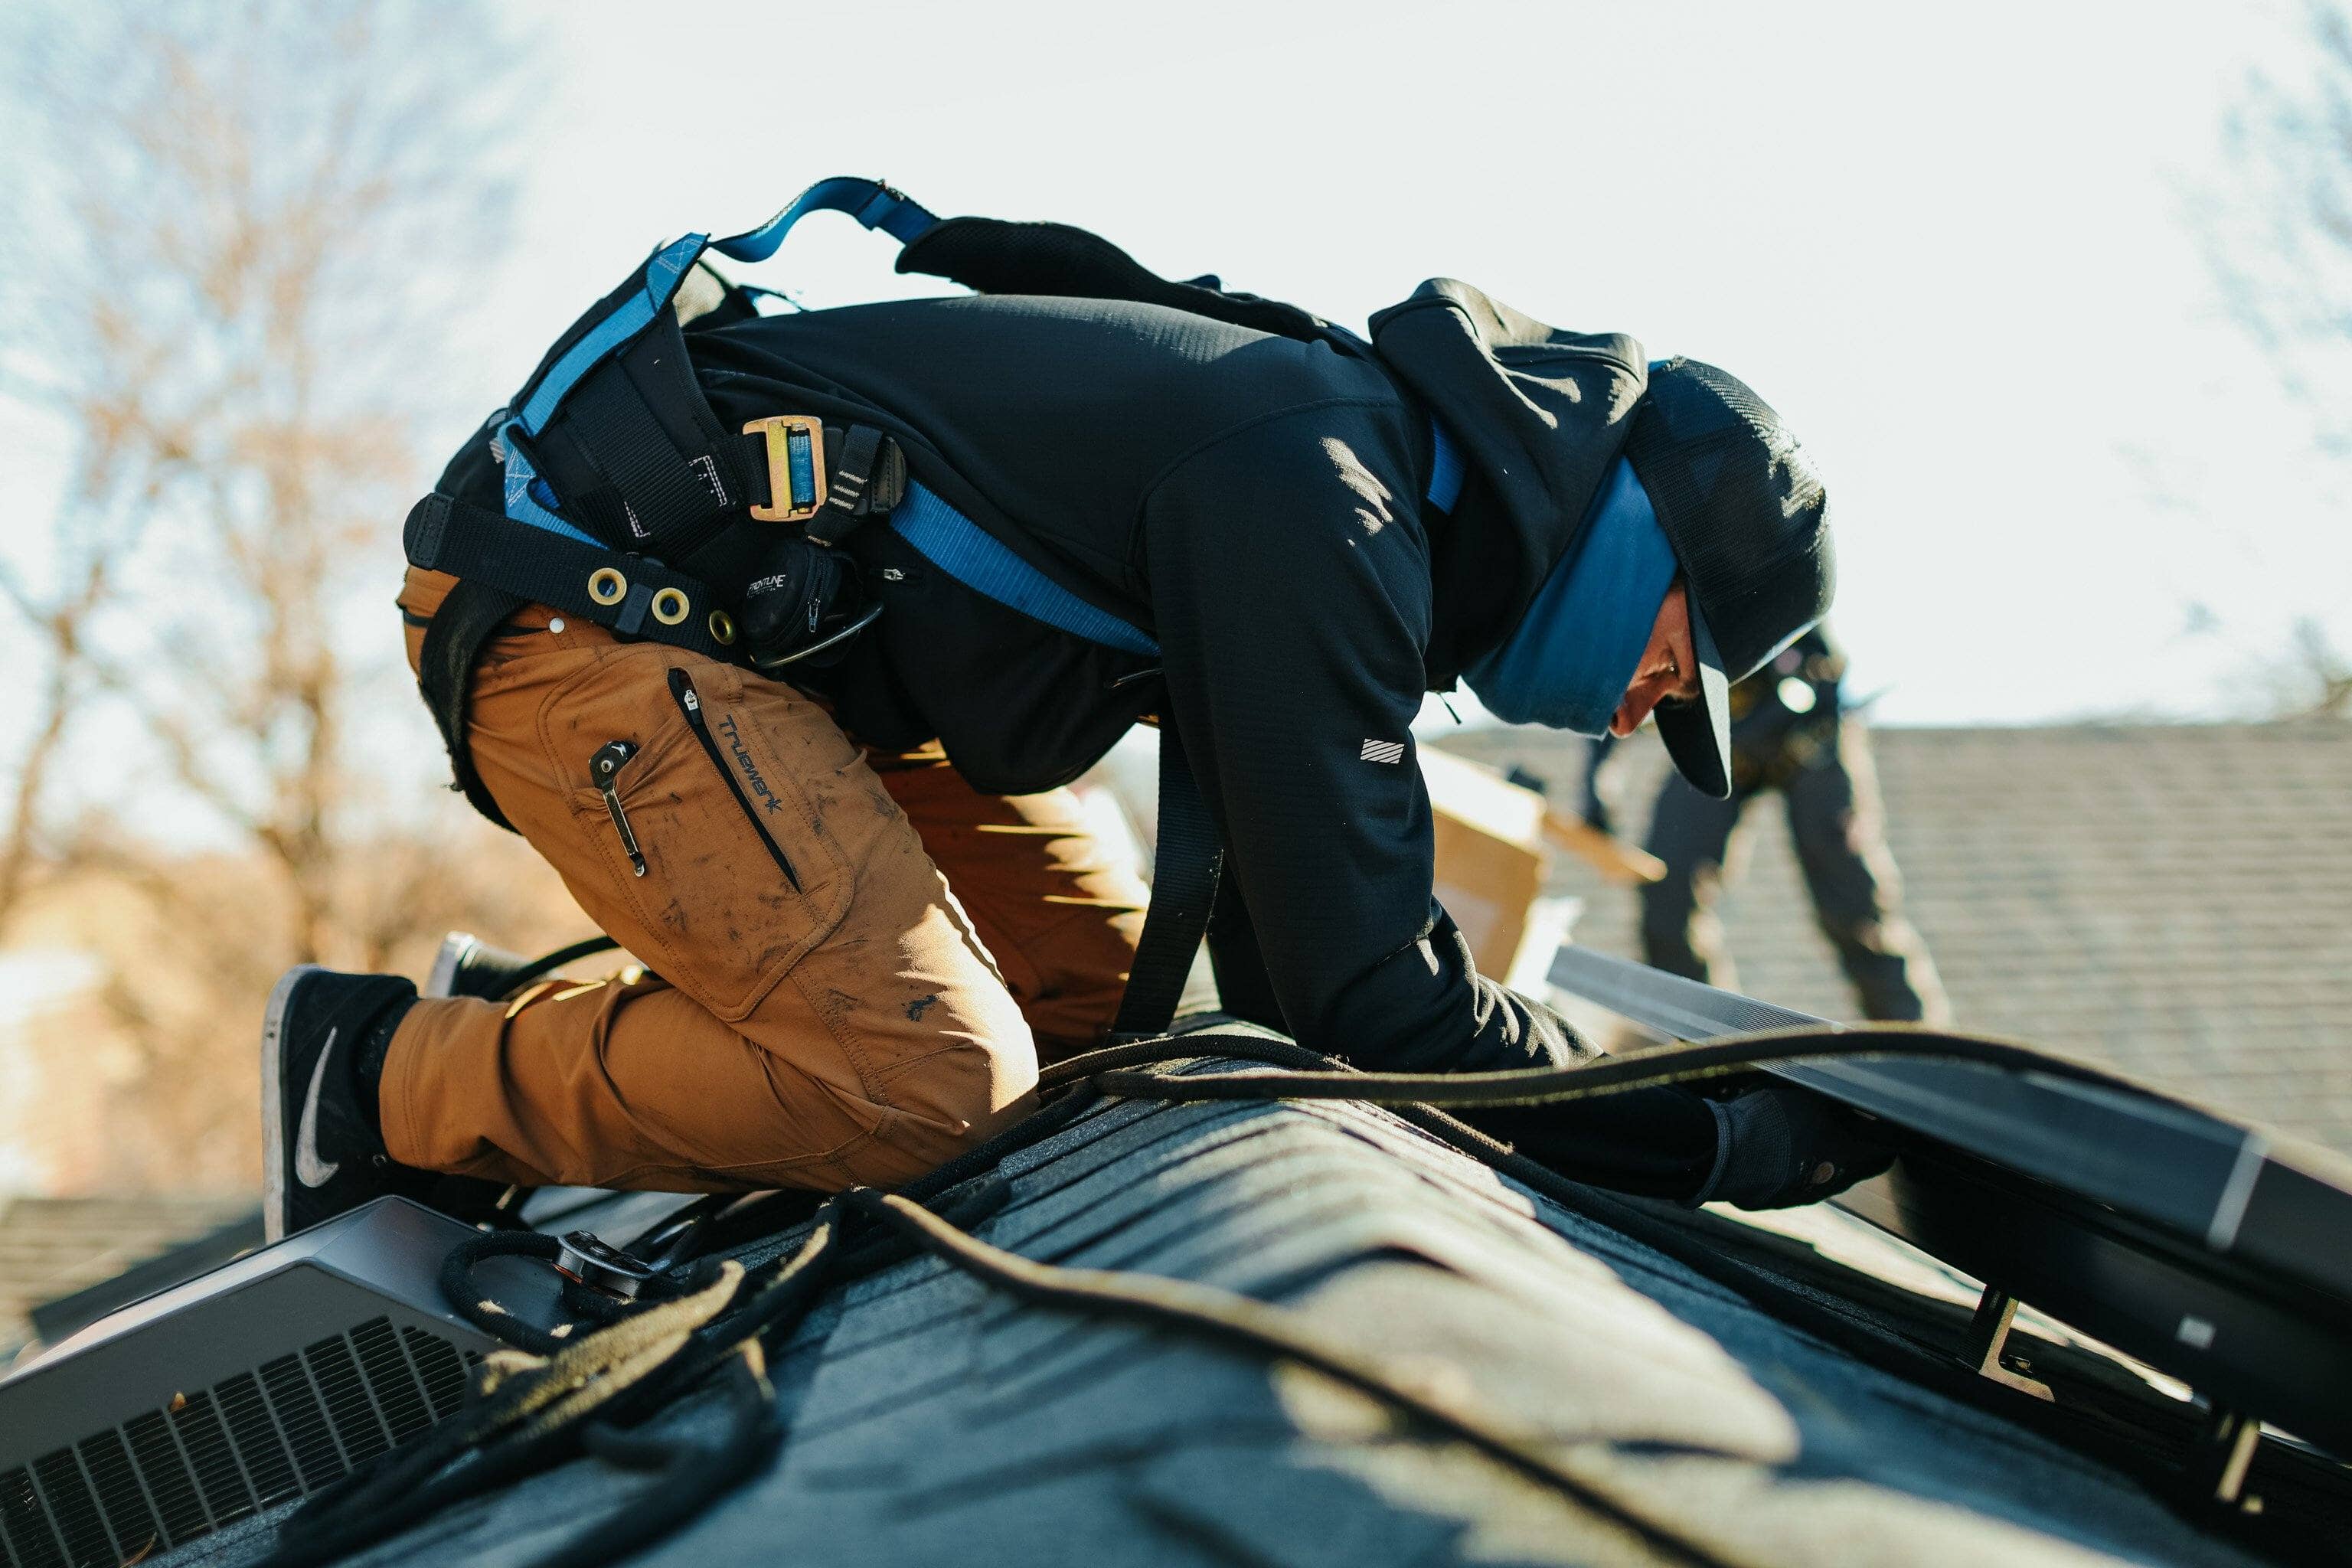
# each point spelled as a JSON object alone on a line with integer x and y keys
{"x": 605, "y": 769}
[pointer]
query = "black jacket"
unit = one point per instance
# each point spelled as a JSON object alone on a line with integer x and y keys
{"x": 1255, "y": 502}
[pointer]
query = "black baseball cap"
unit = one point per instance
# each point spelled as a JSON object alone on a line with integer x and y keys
{"x": 1744, "y": 509}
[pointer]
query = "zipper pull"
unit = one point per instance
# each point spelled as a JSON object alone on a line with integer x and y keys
{"x": 603, "y": 771}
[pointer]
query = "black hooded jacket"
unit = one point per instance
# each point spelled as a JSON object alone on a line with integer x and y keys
{"x": 1254, "y": 502}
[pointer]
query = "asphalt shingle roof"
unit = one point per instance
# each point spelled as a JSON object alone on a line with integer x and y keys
{"x": 929, "y": 1419}
{"x": 2175, "y": 900}
{"x": 53, "y": 1247}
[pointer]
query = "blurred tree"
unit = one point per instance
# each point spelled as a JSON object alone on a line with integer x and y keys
{"x": 2282, "y": 232}
{"x": 245, "y": 212}
{"x": 2282, "y": 247}
{"x": 242, "y": 239}
{"x": 2314, "y": 680}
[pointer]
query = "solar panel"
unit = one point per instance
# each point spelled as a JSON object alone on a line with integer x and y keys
{"x": 2214, "y": 1251}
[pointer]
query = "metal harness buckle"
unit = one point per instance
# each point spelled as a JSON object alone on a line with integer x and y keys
{"x": 586, "y": 1257}
{"x": 796, "y": 466}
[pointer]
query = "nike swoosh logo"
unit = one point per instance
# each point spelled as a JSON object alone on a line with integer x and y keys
{"x": 309, "y": 1169}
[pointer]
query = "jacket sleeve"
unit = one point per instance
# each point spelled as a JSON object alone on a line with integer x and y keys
{"x": 1290, "y": 591}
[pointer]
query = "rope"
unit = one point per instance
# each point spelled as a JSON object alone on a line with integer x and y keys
{"x": 535, "y": 1407}
{"x": 529, "y": 1411}
{"x": 1262, "y": 1329}
{"x": 539, "y": 1404}
{"x": 470, "y": 1303}
{"x": 1685, "y": 1062}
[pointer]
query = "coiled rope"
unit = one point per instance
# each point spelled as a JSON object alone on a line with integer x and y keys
{"x": 547, "y": 1400}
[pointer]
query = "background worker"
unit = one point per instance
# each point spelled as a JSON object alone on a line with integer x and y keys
{"x": 1171, "y": 501}
{"x": 1790, "y": 734}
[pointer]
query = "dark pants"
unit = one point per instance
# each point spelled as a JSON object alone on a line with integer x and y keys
{"x": 1838, "y": 826}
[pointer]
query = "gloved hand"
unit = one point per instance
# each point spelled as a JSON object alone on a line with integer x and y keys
{"x": 1779, "y": 1146}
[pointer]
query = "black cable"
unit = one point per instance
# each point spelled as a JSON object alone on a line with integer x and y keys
{"x": 588, "y": 1394}
{"x": 459, "y": 1290}
{"x": 986, "y": 1157}
{"x": 1109, "y": 1070}
{"x": 1264, "y": 1330}
{"x": 540, "y": 968}
{"x": 1175, "y": 1047}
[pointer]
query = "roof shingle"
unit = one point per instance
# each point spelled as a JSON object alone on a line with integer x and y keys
{"x": 53, "y": 1247}
{"x": 2175, "y": 900}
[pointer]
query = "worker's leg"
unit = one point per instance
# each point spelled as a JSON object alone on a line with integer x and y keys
{"x": 1691, "y": 833}
{"x": 1838, "y": 824}
{"x": 1601, "y": 782}
{"x": 850, "y": 1028}
{"x": 1059, "y": 912}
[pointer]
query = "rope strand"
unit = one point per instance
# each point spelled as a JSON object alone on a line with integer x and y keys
{"x": 556, "y": 1398}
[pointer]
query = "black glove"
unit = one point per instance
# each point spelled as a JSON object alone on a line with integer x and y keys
{"x": 1780, "y": 1146}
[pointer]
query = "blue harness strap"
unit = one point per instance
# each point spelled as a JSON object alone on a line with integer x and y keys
{"x": 874, "y": 205}
{"x": 871, "y": 203}
{"x": 979, "y": 560}
{"x": 1446, "y": 469}
{"x": 942, "y": 535}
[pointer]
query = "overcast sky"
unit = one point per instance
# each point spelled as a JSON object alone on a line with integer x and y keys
{"x": 1953, "y": 245}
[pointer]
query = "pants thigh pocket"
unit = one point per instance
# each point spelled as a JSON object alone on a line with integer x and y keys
{"x": 703, "y": 819}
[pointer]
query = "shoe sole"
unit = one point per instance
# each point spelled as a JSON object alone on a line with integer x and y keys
{"x": 273, "y": 1101}
{"x": 455, "y": 948}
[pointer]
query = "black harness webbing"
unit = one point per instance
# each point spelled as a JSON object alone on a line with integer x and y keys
{"x": 1186, "y": 865}
{"x": 660, "y": 493}
{"x": 634, "y": 596}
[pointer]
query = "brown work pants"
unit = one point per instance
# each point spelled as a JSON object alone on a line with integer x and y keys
{"x": 860, "y": 1027}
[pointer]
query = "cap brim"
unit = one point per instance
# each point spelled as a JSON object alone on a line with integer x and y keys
{"x": 1697, "y": 733}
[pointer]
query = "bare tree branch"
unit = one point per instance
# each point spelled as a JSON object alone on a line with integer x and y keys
{"x": 215, "y": 284}
{"x": 2280, "y": 247}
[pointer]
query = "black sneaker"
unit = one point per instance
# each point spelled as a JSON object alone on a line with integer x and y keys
{"x": 321, "y": 1151}
{"x": 468, "y": 966}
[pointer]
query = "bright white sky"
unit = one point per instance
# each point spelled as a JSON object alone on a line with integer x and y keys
{"x": 1953, "y": 245}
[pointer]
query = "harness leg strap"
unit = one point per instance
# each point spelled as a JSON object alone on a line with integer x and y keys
{"x": 1184, "y": 877}
{"x": 469, "y": 617}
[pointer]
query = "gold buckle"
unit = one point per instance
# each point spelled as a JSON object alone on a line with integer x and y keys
{"x": 783, "y": 460}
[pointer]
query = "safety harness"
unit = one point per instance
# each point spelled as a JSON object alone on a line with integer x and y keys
{"x": 627, "y": 505}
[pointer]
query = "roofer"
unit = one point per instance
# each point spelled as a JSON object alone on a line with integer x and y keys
{"x": 1086, "y": 497}
{"x": 1791, "y": 733}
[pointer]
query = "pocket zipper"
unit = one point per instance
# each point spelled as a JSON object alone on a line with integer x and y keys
{"x": 690, "y": 702}
{"x": 605, "y": 771}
